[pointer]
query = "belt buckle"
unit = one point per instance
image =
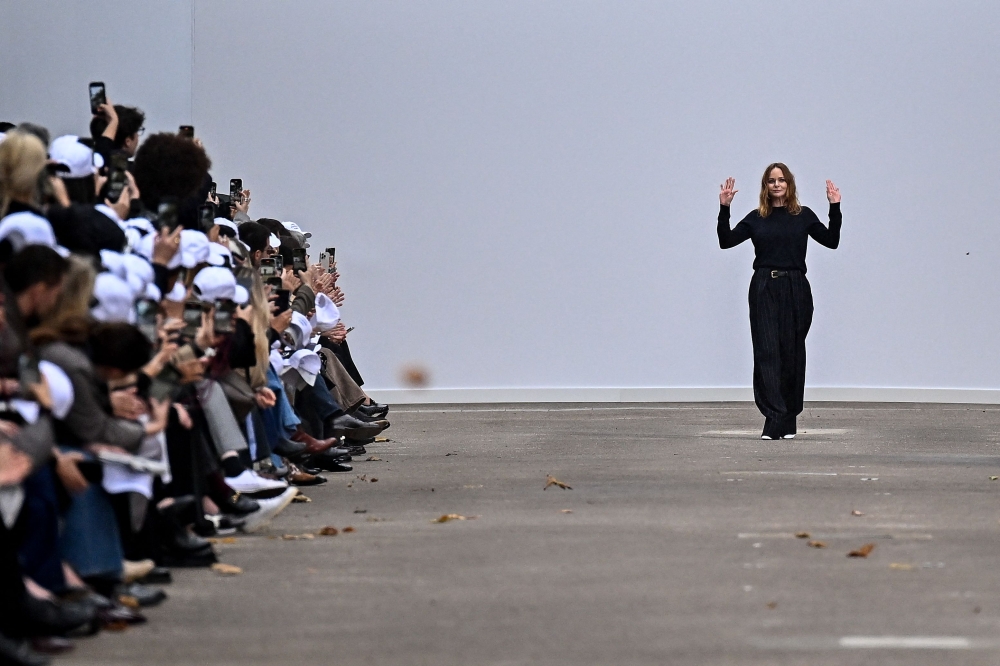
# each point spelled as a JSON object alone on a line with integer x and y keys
{"x": 774, "y": 274}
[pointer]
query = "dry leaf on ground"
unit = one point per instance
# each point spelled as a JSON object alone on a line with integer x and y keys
{"x": 226, "y": 569}
{"x": 329, "y": 530}
{"x": 301, "y": 499}
{"x": 772, "y": 604}
{"x": 864, "y": 551}
{"x": 382, "y": 439}
{"x": 553, "y": 481}
{"x": 802, "y": 535}
{"x": 373, "y": 480}
{"x": 372, "y": 458}
{"x": 994, "y": 478}
{"x": 297, "y": 537}
{"x": 448, "y": 517}
{"x": 816, "y": 544}
{"x": 566, "y": 511}
{"x": 902, "y": 566}
{"x": 856, "y": 513}
{"x": 348, "y": 529}
{"x": 222, "y": 540}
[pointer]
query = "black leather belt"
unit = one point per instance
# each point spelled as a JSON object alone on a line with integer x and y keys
{"x": 778, "y": 274}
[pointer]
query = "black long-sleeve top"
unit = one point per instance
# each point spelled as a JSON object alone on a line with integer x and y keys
{"x": 780, "y": 239}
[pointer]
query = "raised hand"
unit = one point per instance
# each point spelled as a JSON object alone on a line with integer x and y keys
{"x": 832, "y": 193}
{"x": 726, "y": 191}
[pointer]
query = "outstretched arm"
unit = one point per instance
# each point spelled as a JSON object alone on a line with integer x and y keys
{"x": 729, "y": 237}
{"x": 829, "y": 237}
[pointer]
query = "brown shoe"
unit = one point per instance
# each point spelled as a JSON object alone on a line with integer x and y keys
{"x": 297, "y": 477}
{"x": 313, "y": 445}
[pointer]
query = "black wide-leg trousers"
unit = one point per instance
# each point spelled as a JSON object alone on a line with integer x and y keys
{"x": 781, "y": 310}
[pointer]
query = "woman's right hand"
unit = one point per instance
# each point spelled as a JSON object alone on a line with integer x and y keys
{"x": 726, "y": 191}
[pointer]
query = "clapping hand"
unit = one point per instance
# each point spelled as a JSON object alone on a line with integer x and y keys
{"x": 832, "y": 192}
{"x": 726, "y": 191}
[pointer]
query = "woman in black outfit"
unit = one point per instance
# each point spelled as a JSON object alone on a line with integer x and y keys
{"x": 781, "y": 304}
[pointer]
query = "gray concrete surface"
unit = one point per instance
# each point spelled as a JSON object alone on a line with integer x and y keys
{"x": 680, "y": 547}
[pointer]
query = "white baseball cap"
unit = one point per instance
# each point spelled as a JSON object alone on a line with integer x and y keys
{"x": 216, "y": 283}
{"x": 327, "y": 315}
{"x": 228, "y": 224}
{"x": 132, "y": 268}
{"x": 220, "y": 255}
{"x": 291, "y": 226}
{"x": 115, "y": 299}
{"x": 27, "y": 228}
{"x": 193, "y": 249}
{"x": 78, "y": 158}
{"x": 307, "y": 363}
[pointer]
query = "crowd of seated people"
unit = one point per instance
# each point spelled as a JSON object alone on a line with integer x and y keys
{"x": 170, "y": 370}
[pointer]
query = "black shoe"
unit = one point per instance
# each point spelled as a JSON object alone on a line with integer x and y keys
{"x": 158, "y": 576}
{"x": 144, "y": 595}
{"x": 19, "y": 653}
{"x": 374, "y": 409}
{"x": 347, "y": 425}
{"x": 237, "y": 503}
{"x": 361, "y": 416}
{"x": 289, "y": 449}
{"x": 205, "y": 558}
{"x": 327, "y": 463}
{"x": 49, "y": 618}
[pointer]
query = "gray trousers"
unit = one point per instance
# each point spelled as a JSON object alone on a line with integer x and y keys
{"x": 222, "y": 426}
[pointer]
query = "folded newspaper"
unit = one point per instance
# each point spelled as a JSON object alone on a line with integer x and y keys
{"x": 134, "y": 463}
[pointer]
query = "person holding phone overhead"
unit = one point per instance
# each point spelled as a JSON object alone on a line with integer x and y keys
{"x": 781, "y": 305}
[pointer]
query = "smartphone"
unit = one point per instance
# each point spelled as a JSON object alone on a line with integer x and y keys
{"x": 299, "y": 259}
{"x": 98, "y": 96}
{"x": 236, "y": 190}
{"x": 324, "y": 261}
{"x": 145, "y": 318}
{"x": 267, "y": 268}
{"x": 223, "y": 316}
{"x": 279, "y": 263}
{"x": 166, "y": 214}
{"x": 192, "y": 318}
{"x": 117, "y": 179}
{"x": 206, "y": 217}
{"x": 283, "y": 302}
{"x": 28, "y": 375}
{"x": 349, "y": 330}
{"x": 186, "y": 131}
{"x": 212, "y": 190}
{"x": 331, "y": 254}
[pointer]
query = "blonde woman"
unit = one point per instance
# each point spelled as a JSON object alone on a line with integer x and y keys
{"x": 781, "y": 305}
{"x": 22, "y": 160}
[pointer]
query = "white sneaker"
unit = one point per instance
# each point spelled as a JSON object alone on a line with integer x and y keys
{"x": 789, "y": 436}
{"x": 250, "y": 482}
{"x": 766, "y": 437}
{"x": 269, "y": 508}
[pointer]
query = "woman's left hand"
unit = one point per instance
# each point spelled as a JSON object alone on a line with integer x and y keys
{"x": 832, "y": 193}
{"x": 265, "y": 398}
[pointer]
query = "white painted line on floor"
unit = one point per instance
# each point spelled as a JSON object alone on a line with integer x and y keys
{"x": 811, "y": 431}
{"x": 780, "y": 473}
{"x": 907, "y": 642}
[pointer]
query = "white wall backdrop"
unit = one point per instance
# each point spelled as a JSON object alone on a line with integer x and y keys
{"x": 523, "y": 193}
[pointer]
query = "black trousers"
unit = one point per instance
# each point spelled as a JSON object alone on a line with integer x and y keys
{"x": 781, "y": 310}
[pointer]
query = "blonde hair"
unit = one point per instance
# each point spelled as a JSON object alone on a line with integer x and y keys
{"x": 70, "y": 318}
{"x": 260, "y": 322}
{"x": 791, "y": 197}
{"x": 22, "y": 159}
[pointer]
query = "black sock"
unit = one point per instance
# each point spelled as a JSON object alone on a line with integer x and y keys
{"x": 232, "y": 466}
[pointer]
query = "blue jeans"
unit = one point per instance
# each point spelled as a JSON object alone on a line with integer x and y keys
{"x": 90, "y": 540}
{"x": 280, "y": 421}
{"x": 40, "y": 555}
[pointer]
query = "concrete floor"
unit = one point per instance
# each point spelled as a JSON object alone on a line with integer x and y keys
{"x": 676, "y": 545}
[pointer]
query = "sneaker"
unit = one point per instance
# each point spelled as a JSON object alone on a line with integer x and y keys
{"x": 269, "y": 508}
{"x": 133, "y": 571}
{"x": 249, "y": 481}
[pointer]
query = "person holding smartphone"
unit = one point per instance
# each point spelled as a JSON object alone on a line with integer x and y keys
{"x": 781, "y": 304}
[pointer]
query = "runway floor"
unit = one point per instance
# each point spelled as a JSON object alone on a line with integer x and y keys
{"x": 676, "y": 545}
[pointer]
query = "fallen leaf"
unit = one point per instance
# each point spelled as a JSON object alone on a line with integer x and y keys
{"x": 373, "y": 480}
{"x": 449, "y": 517}
{"x": 816, "y": 544}
{"x": 348, "y": 529}
{"x": 329, "y": 530}
{"x": 450, "y": 454}
{"x": 772, "y": 604}
{"x": 361, "y": 511}
{"x": 226, "y": 569}
{"x": 222, "y": 540}
{"x": 382, "y": 439}
{"x": 350, "y": 485}
{"x": 363, "y": 477}
{"x": 994, "y": 478}
{"x": 802, "y": 535}
{"x": 473, "y": 486}
{"x": 301, "y": 499}
{"x": 902, "y": 566}
{"x": 553, "y": 481}
{"x": 566, "y": 511}
{"x": 864, "y": 551}
{"x": 372, "y": 458}
{"x": 128, "y": 600}
{"x": 856, "y": 513}
{"x": 297, "y": 537}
